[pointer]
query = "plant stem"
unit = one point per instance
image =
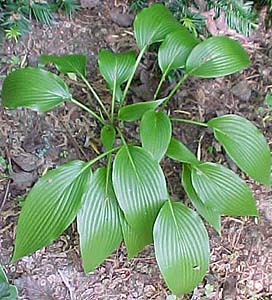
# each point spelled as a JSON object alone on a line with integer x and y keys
{"x": 88, "y": 110}
{"x": 113, "y": 101}
{"x": 180, "y": 82}
{"x": 95, "y": 95}
{"x": 91, "y": 162}
{"x": 159, "y": 86}
{"x": 132, "y": 74}
{"x": 190, "y": 122}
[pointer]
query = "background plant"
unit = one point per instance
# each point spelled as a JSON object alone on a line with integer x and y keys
{"x": 126, "y": 198}
{"x": 7, "y": 291}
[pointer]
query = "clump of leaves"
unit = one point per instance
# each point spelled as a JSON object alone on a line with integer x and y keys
{"x": 127, "y": 197}
{"x": 7, "y": 291}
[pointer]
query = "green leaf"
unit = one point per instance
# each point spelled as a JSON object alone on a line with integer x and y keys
{"x": 209, "y": 214}
{"x": 175, "y": 50}
{"x": 221, "y": 189}
{"x": 245, "y": 144}
{"x": 134, "y": 242}
{"x": 68, "y": 63}
{"x": 217, "y": 56}
{"x": 3, "y": 276}
{"x": 140, "y": 188}
{"x": 152, "y": 25}
{"x": 116, "y": 68}
{"x": 268, "y": 100}
{"x": 135, "y": 111}
{"x": 50, "y": 207}
{"x": 178, "y": 151}
{"x": 155, "y": 131}
{"x": 98, "y": 222}
{"x": 34, "y": 88}
{"x": 108, "y": 136}
{"x": 181, "y": 247}
{"x": 8, "y": 291}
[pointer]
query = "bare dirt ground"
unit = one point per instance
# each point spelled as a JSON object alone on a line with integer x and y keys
{"x": 30, "y": 143}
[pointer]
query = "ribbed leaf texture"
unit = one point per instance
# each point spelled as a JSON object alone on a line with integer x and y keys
{"x": 98, "y": 221}
{"x": 181, "y": 247}
{"x": 50, "y": 207}
{"x": 178, "y": 151}
{"x": 134, "y": 241}
{"x": 116, "y": 68}
{"x": 135, "y": 111}
{"x": 209, "y": 214}
{"x": 34, "y": 88}
{"x": 68, "y": 63}
{"x": 152, "y": 25}
{"x": 155, "y": 131}
{"x": 175, "y": 50}
{"x": 108, "y": 136}
{"x": 140, "y": 188}
{"x": 217, "y": 56}
{"x": 221, "y": 189}
{"x": 245, "y": 144}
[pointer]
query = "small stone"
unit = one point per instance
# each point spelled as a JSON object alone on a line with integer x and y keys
{"x": 123, "y": 20}
{"x": 242, "y": 90}
{"x": 89, "y": 3}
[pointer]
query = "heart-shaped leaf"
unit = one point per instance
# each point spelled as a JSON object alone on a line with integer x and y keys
{"x": 134, "y": 242}
{"x": 181, "y": 247}
{"x": 152, "y": 25}
{"x": 221, "y": 189}
{"x": 50, "y": 207}
{"x": 175, "y": 50}
{"x": 209, "y": 214}
{"x": 108, "y": 136}
{"x": 68, "y": 63}
{"x": 135, "y": 111}
{"x": 155, "y": 131}
{"x": 178, "y": 151}
{"x": 216, "y": 56}
{"x": 245, "y": 144}
{"x": 140, "y": 188}
{"x": 98, "y": 221}
{"x": 116, "y": 68}
{"x": 34, "y": 88}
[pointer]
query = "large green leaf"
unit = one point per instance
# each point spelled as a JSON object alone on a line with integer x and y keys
{"x": 134, "y": 242}
{"x": 34, "y": 88}
{"x": 181, "y": 247}
{"x": 152, "y": 25}
{"x": 216, "y": 56}
{"x": 116, "y": 68}
{"x": 155, "y": 131}
{"x": 108, "y": 136}
{"x": 50, "y": 207}
{"x": 178, "y": 151}
{"x": 98, "y": 221}
{"x": 135, "y": 111}
{"x": 209, "y": 214}
{"x": 140, "y": 188}
{"x": 223, "y": 190}
{"x": 175, "y": 49}
{"x": 245, "y": 144}
{"x": 67, "y": 63}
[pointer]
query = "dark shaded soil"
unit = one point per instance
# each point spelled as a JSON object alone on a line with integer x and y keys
{"x": 30, "y": 143}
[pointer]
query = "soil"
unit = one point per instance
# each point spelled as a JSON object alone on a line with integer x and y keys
{"x": 31, "y": 143}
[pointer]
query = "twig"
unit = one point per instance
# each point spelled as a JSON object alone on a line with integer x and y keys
{"x": 5, "y": 196}
{"x": 67, "y": 284}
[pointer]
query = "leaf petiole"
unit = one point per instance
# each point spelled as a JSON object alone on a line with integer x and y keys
{"x": 190, "y": 122}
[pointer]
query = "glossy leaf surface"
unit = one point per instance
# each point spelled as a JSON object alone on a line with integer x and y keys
{"x": 223, "y": 190}
{"x": 68, "y": 63}
{"x": 140, "y": 188}
{"x": 217, "y": 56}
{"x": 245, "y": 144}
{"x": 50, "y": 207}
{"x": 155, "y": 131}
{"x": 209, "y": 214}
{"x": 152, "y": 25}
{"x": 135, "y": 111}
{"x": 98, "y": 222}
{"x": 175, "y": 50}
{"x": 34, "y": 88}
{"x": 181, "y": 247}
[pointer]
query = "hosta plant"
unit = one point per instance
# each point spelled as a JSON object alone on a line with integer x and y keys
{"x": 126, "y": 199}
{"x": 7, "y": 291}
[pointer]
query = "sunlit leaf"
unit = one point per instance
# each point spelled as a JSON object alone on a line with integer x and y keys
{"x": 34, "y": 88}
{"x": 245, "y": 144}
{"x": 217, "y": 56}
{"x": 181, "y": 247}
